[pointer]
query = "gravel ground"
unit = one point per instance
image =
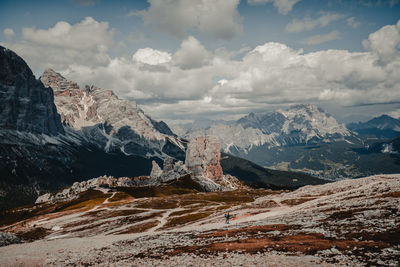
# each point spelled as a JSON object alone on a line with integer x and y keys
{"x": 361, "y": 215}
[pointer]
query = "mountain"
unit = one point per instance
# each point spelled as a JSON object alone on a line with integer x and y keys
{"x": 303, "y": 138}
{"x": 52, "y": 134}
{"x": 26, "y": 105}
{"x": 300, "y": 124}
{"x": 38, "y": 154}
{"x": 383, "y": 126}
{"x": 111, "y": 123}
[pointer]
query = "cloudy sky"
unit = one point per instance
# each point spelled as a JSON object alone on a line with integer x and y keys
{"x": 219, "y": 59}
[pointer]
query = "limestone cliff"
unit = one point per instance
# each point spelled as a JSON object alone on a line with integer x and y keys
{"x": 26, "y": 104}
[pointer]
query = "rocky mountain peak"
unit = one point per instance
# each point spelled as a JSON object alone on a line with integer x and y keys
{"x": 111, "y": 122}
{"x": 383, "y": 126}
{"x": 311, "y": 120}
{"x": 299, "y": 124}
{"x": 26, "y": 105}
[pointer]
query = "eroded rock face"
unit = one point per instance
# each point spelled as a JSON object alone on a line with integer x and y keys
{"x": 156, "y": 171}
{"x": 170, "y": 171}
{"x": 203, "y": 157}
{"x": 203, "y": 160}
{"x": 26, "y": 104}
{"x": 109, "y": 122}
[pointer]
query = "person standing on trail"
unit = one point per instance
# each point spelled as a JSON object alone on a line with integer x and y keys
{"x": 227, "y": 216}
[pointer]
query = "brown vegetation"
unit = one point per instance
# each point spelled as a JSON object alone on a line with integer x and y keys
{"x": 33, "y": 234}
{"x": 181, "y": 220}
{"x": 296, "y": 201}
{"x": 303, "y": 243}
{"x": 105, "y": 213}
{"x": 120, "y": 196}
{"x": 391, "y": 194}
{"x": 158, "y": 203}
{"x": 138, "y": 228}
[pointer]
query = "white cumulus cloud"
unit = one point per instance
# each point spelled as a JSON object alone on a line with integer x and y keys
{"x": 385, "y": 43}
{"x": 151, "y": 56}
{"x": 194, "y": 81}
{"x": 85, "y": 43}
{"x": 217, "y": 18}
{"x": 191, "y": 54}
{"x": 269, "y": 74}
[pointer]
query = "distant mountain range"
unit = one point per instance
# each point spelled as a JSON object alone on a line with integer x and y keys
{"x": 306, "y": 138}
{"x": 383, "y": 126}
{"x": 300, "y": 124}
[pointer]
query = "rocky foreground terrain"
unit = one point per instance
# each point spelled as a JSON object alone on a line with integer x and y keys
{"x": 346, "y": 223}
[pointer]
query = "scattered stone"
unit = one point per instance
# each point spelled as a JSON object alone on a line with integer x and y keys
{"x": 8, "y": 239}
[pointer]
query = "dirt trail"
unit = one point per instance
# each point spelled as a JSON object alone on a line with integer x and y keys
{"x": 163, "y": 220}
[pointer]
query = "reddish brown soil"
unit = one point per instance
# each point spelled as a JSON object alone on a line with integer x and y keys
{"x": 249, "y": 230}
{"x": 303, "y": 243}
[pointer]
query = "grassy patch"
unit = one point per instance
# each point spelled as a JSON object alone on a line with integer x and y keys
{"x": 390, "y": 194}
{"x": 345, "y": 214}
{"x": 105, "y": 213}
{"x": 181, "y": 212}
{"x": 226, "y": 197}
{"x": 119, "y": 196}
{"x": 223, "y": 207}
{"x": 87, "y": 199}
{"x": 303, "y": 243}
{"x": 138, "y": 228}
{"x": 88, "y": 204}
{"x": 11, "y": 216}
{"x": 296, "y": 201}
{"x": 181, "y": 220}
{"x": 391, "y": 236}
{"x": 158, "y": 203}
{"x": 33, "y": 234}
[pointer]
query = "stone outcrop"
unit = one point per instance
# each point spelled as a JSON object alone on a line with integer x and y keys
{"x": 203, "y": 157}
{"x": 8, "y": 239}
{"x": 26, "y": 105}
{"x": 203, "y": 163}
{"x": 203, "y": 160}
{"x": 170, "y": 171}
{"x": 156, "y": 171}
{"x": 79, "y": 187}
